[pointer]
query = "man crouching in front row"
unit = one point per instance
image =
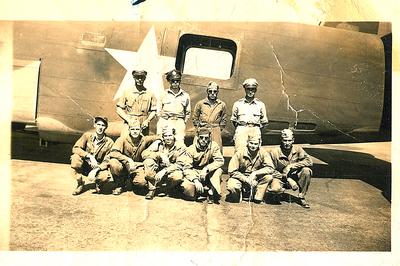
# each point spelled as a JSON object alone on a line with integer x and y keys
{"x": 90, "y": 155}
{"x": 251, "y": 171}
{"x": 126, "y": 162}
{"x": 201, "y": 165}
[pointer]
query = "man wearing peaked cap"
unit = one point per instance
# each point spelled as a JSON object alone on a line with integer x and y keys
{"x": 201, "y": 166}
{"x": 173, "y": 75}
{"x": 137, "y": 103}
{"x": 126, "y": 161}
{"x": 175, "y": 106}
{"x": 159, "y": 163}
{"x": 294, "y": 165}
{"x": 90, "y": 156}
{"x": 211, "y": 112}
{"x": 249, "y": 114}
{"x": 251, "y": 171}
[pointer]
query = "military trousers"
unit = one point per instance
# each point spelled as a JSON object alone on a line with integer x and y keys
{"x": 122, "y": 173}
{"x": 81, "y": 167}
{"x": 152, "y": 167}
{"x": 212, "y": 181}
{"x": 242, "y": 134}
{"x": 236, "y": 187}
{"x": 303, "y": 179}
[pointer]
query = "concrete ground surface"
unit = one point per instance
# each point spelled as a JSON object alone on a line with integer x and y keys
{"x": 349, "y": 197}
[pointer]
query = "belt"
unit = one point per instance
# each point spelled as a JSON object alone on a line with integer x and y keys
{"x": 245, "y": 124}
{"x": 171, "y": 117}
{"x": 137, "y": 114}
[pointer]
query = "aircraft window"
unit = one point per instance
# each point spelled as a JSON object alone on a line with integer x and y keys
{"x": 206, "y": 56}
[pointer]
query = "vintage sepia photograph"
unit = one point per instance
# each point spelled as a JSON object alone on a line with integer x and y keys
{"x": 147, "y": 131}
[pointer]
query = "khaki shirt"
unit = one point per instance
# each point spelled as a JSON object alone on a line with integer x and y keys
{"x": 297, "y": 158}
{"x": 196, "y": 158}
{"x": 242, "y": 164}
{"x": 158, "y": 147}
{"x": 89, "y": 144}
{"x": 124, "y": 148}
{"x": 137, "y": 103}
{"x": 175, "y": 105}
{"x": 206, "y": 113}
{"x": 254, "y": 112}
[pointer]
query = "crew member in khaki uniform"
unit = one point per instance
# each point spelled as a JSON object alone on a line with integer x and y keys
{"x": 159, "y": 162}
{"x": 294, "y": 164}
{"x": 137, "y": 103}
{"x": 90, "y": 155}
{"x": 126, "y": 162}
{"x": 201, "y": 165}
{"x": 175, "y": 106}
{"x": 248, "y": 115}
{"x": 211, "y": 112}
{"x": 251, "y": 170}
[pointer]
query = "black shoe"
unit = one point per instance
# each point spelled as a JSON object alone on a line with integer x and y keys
{"x": 257, "y": 201}
{"x": 78, "y": 190}
{"x": 150, "y": 195}
{"x": 304, "y": 204}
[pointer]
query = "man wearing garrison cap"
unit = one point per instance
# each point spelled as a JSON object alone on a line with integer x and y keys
{"x": 294, "y": 165}
{"x": 137, "y": 103}
{"x": 159, "y": 162}
{"x": 211, "y": 112}
{"x": 126, "y": 163}
{"x": 90, "y": 156}
{"x": 175, "y": 106}
{"x": 251, "y": 172}
{"x": 248, "y": 114}
{"x": 201, "y": 165}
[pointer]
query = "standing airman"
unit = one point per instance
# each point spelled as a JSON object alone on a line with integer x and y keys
{"x": 211, "y": 112}
{"x": 137, "y": 103}
{"x": 249, "y": 115}
{"x": 175, "y": 106}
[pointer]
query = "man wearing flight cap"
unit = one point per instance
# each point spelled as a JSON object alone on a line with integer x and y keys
{"x": 159, "y": 162}
{"x": 126, "y": 162}
{"x": 137, "y": 103}
{"x": 211, "y": 112}
{"x": 248, "y": 114}
{"x": 251, "y": 170}
{"x": 201, "y": 165}
{"x": 175, "y": 106}
{"x": 90, "y": 155}
{"x": 294, "y": 164}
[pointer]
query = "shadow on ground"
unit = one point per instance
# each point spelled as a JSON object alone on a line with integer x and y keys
{"x": 353, "y": 165}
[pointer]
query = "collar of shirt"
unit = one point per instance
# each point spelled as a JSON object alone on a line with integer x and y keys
{"x": 129, "y": 138}
{"x": 248, "y": 155}
{"x": 199, "y": 149}
{"x": 207, "y": 101}
{"x": 96, "y": 140}
{"x": 251, "y": 102}
{"x": 177, "y": 94}
{"x": 283, "y": 156}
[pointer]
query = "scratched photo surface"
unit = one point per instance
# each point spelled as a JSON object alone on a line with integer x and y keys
{"x": 327, "y": 78}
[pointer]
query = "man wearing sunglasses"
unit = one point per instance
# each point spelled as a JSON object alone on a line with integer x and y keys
{"x": 175, "y": 106}
{"x": 211, "y": 112}
{"x": 201, "y": 165}
{"x": 248, "y": 115}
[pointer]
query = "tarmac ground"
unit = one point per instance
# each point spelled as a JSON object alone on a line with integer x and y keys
{"x": 349, "y": 196}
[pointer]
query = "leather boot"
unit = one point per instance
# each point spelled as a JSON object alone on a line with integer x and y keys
{"x": 79, "y": 188}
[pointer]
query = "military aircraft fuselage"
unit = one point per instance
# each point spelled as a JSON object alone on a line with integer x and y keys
{"x": 318, "y": 80}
